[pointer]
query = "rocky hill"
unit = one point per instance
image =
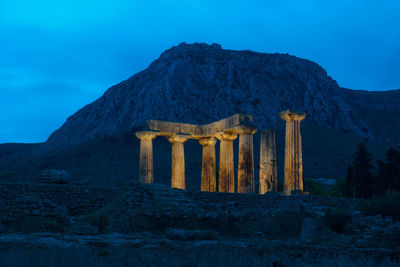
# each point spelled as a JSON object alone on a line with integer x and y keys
{"x": 200, "y": 83}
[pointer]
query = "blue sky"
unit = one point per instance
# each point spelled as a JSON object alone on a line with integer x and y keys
{"x": 57, "y": 56}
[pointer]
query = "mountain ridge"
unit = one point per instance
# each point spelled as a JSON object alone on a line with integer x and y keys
{"x": 200, "y": 83}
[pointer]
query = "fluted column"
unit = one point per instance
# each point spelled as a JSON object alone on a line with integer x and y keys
{"x": 268, "y": 173}
{"x": 208, "y": 172}
{"x": 226, "y": 180}
{"x": 146, "y": 172}
{"x": 293, "y": 152}
{"x": 246, "y": 160}
{"x": 178, "y": 161}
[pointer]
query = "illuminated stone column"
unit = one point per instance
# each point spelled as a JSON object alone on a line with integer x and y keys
{"x": 178, "y": 161}
{"x": 226, "y": 181}
{"x": 208, "y": 172}
{"x": 146, "y": 172}
{"x": 268, "y": 173}
{"x": 293, "y": 152}
{"x": 246, "y": 160}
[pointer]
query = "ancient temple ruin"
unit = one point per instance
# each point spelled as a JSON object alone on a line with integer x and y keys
{"x": 226, "y": 131}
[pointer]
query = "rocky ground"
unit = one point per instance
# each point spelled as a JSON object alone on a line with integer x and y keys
{"x": 141, "y": 225}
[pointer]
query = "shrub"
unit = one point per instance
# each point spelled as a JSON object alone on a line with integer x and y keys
{"x": 100, "y": 221}
{"x": 337, "y": 220}
{"x": 315, "y": 188}
{"x": 384, "y": 206}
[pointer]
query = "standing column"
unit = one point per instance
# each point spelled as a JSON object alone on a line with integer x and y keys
{"x": 293, "y": 152}
{"x": 178, "y": 161}
{"x": 208, "y": 172}
{"x": 146, "y": 172}
{"x": 226, "y": 180}
{"x": 268, "y": 173}
{"x": 246, "y": 160}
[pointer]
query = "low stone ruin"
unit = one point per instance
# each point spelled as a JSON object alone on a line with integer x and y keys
{"x": 55, "y": 177}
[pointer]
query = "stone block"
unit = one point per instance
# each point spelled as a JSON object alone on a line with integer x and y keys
{"x": 84, "y": 229}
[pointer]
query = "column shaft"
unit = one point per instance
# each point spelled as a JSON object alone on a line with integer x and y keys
{"x": 298, "y": 160}
{"x": 293, "y": 180}
{"x": 208, "y": 171}
{"x": 178, "y": 162}
{"x": 288, "y": 183}
{"x": 226, "y": 179}
{"x": 246, "y": 163}
{"x": 146, "y": 172}
{"x": 268, "y": 172}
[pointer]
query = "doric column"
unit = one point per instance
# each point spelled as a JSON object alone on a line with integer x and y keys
{"x": 208, "y": 172}
{"x": 146, "y": 172}
{"x": 226, "y": 181}
{"x": 246, "y": 160}
{"x": 293, "y": 152}
{"x": 178, "y": 161}
{"x": 268, "y": 174}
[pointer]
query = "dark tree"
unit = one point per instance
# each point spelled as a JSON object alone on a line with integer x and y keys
{"x": 349, "y": 185}
{"x": 360, "y": 181}
{"x": 389, "y": 172}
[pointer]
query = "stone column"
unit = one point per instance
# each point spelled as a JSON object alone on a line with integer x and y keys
{"x": 268, "y": 173}
{"x": 226, "y": 180}
{"x": 246, "y": 160}
{"x": 293, "y": 152}
{"x": 208, "y": 172}
{"x": 146, "y": 172}
{"x": 178, "y": 161}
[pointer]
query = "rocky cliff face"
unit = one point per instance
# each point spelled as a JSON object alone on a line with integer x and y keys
{"x": 200, "y": 83}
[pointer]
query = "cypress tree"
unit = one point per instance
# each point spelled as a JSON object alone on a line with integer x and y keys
{"x": 360, "y": 182}
{"x": 389, "y": 172}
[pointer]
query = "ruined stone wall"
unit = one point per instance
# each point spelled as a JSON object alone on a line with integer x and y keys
{"x": 154, "y": 225}
{"x": 46, "y": 200}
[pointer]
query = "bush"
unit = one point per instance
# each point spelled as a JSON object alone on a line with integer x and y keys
{"x": 289, "y": 223}
{"x": 100, "y": 221}
{"x": 315, "y": 188}
{"x": 337, "y": 220}
{"x": 384, "y": 206}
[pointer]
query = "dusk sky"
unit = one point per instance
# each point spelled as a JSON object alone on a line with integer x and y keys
{"x": 57, "y": 56}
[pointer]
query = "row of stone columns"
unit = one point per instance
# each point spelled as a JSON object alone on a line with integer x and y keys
{"x": 293, "y": 177}
{"x": 208, "y": 172}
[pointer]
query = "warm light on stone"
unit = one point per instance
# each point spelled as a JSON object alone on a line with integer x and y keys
{"x": 268, "y": 172}
{"x": 246, "y": 160}
{"x": 208, "y": 171}
{"x": 293, "y": 152}
{"x": 225, "y": 130}
{"x": 226, "y": 179}
{"x": 178, "y": 161}
{"x": 146, "y": 172}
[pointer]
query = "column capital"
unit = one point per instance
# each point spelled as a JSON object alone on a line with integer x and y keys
{"x": 178, "y": 138}
{"x": 287, "y": 115}
{"x": 226, "y": 136}
{"x": 146, "y": 135}
{"x": 207, "y": 141}
{"x": 245, "y": 130}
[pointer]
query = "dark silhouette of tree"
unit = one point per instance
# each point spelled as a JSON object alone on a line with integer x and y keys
{"x": 389, "y": 172}
{"x": 360, "y": 181}
{"x": 349, "y": 185}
